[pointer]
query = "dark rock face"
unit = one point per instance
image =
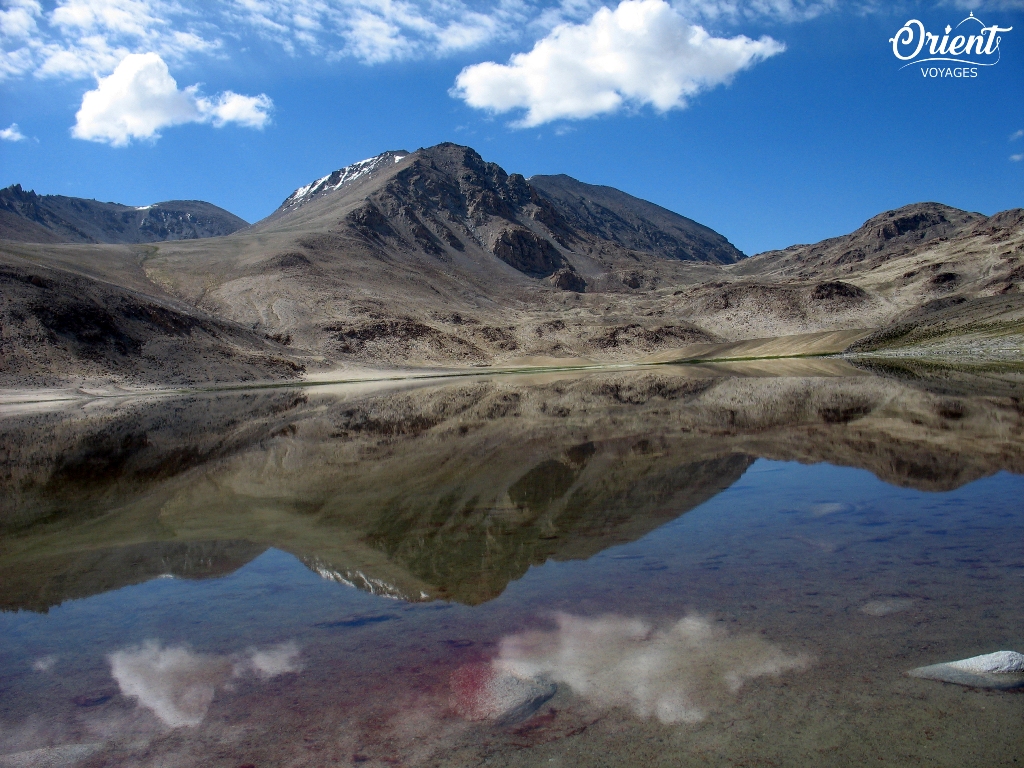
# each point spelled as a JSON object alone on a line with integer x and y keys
{"x": 566, "y": 279}
{"x": 945, "y": 279}
{"x": 293, "y": 260}
{"x": 920, "y": 222}
{"x": 452, "y": 189}
{"x": 608, "y": 214}
{"x": 527, "y": 252}
{"x": 400, "y": 333}
{"x": 446, "y": 197}
{"x": 71, "y": 312}
{"x": 836, "y": 289}
{"x": 455, "y": 182}
{"x": 28, "y": 217}
{"x": 634, "y": 335}
{"x": 371, "y": 223}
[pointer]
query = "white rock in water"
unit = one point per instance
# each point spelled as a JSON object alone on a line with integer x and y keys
{"x": 516, "y": 699}
{"x": 1002, "y": 670}
{"x": 485, "y": 692}
{"x": 998, "y": 663}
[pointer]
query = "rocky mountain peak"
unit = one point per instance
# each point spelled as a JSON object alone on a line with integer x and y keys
{"x": 917, "y": 222}
{"x": 448, "y": 203}
{"x": 888, "y": 235}
{"x": 446, "y": 199}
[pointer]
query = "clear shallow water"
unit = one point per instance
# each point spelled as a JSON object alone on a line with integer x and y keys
{"x": 764, "y": 612}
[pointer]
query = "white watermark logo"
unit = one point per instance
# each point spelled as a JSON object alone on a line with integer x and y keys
{"x": 977, "y": 46}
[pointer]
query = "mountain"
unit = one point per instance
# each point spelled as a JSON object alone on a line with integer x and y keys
{"x": 437, "y": 256}
{"x": 28, "y": 217}
{"x": 920, "y": 273}
{"x": 440, "y": 258}
{"x": 342, "y": 177}
{"x": 446, "y": 201}
{"x": 452, "y": 187}
{"x": 889, "y": 235}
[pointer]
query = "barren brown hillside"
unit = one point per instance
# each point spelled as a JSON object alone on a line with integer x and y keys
{"x": 438, "y": 258}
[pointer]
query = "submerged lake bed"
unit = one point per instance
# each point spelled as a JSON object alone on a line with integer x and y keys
{"x": 680, "y": 566}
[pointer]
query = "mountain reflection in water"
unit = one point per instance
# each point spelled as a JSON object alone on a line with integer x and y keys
{"x": 451, "y": 491}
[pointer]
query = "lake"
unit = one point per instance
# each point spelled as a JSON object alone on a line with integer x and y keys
{"x": 726, "y": 565}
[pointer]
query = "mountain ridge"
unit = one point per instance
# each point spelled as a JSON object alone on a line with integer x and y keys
{"x": 28, "y": 217}
{"x": 894, "y": 231}
{"x": 440, "y": 258}
{"x": 636, "y": 223}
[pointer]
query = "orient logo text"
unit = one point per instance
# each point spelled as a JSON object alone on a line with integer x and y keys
{"x": 977, "y": 46}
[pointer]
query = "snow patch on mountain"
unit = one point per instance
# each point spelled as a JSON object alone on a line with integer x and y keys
{"x": 332, "y": 182}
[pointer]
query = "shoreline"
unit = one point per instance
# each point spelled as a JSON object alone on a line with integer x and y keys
{"x": 738, "y": 356}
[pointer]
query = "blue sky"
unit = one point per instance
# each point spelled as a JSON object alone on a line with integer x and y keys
{"x": 772, "y": 121}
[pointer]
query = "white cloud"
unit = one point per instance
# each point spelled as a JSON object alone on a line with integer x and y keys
{"x": 375, "y": 39}
{"x": 676, "y": 674}
{"x": 18, "y": 37}
{"x": 1016, "y": 158}
{"x": 642, "y": 53}
{"x": 135, "y": 18}
{"x": 474, "y": 30}
{"x": 78, "y": 39}
{"x": 82, "y": 38}
{"x": 18, "y": 19}
{"x": 987, "y": 5}
{"x": 16, "y": 62}
{"x": 1016, "y": 135}
{"x": 378, "y": 31}
{"x": 140, "y": 98}
{"x": 565, "y": 12}
{"x": 718, "y": 12}
{"x": 12, "y": 133}
{"x": 176, "y": 684}
{"x": 231, "y": 107}
{"x": 737, "y": 10}
{"x": 88, "y": 56}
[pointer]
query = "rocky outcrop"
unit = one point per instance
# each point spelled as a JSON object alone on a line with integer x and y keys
{"x": 522, "y": 249}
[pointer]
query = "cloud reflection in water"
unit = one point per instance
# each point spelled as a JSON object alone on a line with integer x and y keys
{"x": 178, "y": 685}
{"x": 675, "y": 674}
